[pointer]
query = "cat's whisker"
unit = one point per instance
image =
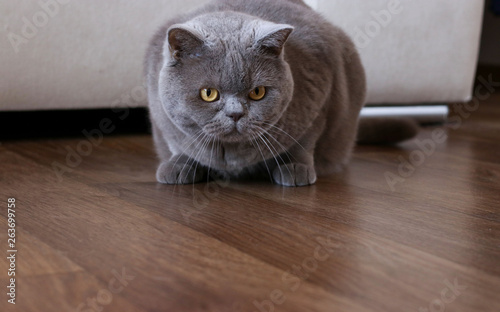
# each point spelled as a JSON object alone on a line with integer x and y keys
{"x": 191, "y": 158}
{"x": 286, "y": 133}
{"x": 262, "y": 154}
{"x": 212, "y": 142}
{"x": 207, "y": 139}
{"x": 274, "y": 149}
{"x": 288, "y": 154}
{"x": 272, "y": 153}
{"x": 277, "y": 153}
{"x": 191, "y": 141}
{"x": 201, "y": 150}
{"x": 178, "y": 177}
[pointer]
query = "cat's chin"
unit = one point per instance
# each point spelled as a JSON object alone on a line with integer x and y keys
{"x": 230, "y": 135}
{"x": 233, "y": 137}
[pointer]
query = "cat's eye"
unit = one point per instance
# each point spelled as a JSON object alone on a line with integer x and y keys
{"x": 209, "y": 94}
{"x": 257, "y": 94}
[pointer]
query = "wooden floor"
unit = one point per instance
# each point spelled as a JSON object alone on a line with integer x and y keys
{"x": 107, "y": 237}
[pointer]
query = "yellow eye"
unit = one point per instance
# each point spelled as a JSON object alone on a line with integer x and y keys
{"x": 258, "y": 93}
{"x": 209, "y": 95}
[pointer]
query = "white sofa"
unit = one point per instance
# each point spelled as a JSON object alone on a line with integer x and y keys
{"x": 68, "y": 54}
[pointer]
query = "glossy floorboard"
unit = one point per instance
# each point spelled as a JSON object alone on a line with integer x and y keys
{"x": 106, "y": 237}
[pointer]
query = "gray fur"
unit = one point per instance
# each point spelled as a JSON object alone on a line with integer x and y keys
{"x": 305, "y": 125}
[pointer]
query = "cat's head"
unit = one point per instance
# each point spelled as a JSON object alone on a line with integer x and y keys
{"x": 224, "y": 75}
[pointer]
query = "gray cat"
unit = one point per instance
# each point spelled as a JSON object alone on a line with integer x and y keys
{"x": 244, "y": 87}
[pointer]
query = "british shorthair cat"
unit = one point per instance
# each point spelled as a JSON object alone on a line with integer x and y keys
{"x": 244, "y": 87}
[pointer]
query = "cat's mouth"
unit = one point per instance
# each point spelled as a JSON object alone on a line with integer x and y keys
{"x": 233, "y": 135}
{"x": 227, "y": 133}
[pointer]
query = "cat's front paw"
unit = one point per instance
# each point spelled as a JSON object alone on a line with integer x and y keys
{"x": 294, "y": 175}
{"x": 170, "y": 172}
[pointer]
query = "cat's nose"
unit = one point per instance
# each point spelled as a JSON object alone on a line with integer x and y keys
{"x": 235, "y": 116}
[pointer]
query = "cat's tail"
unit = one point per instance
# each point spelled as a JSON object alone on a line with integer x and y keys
{"x": 386, "y": 130}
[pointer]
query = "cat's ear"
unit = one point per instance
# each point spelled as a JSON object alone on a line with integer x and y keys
{"x": 183, "y": 41}
{"x": 271, "y": 38}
